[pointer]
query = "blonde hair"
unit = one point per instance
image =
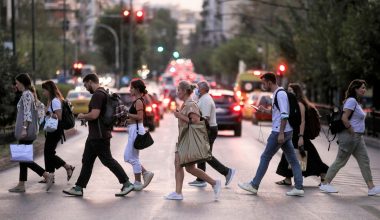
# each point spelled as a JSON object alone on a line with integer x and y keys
{"x": 186, "y": 86}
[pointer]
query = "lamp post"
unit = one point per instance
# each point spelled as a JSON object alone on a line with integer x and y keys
{"x": 114, "y": 34}
{"x": 130, "y": 41}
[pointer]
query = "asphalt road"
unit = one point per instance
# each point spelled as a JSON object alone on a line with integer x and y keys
{"x": 242, "y": 153}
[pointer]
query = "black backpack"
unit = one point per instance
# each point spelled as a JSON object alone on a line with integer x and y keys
{"x": 294, "y": 109}
{"x": 68, "y": 118}
{"x": 312, "y": 123}
{"x": 113, "y": 110}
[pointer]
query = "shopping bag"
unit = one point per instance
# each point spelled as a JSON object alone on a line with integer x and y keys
{"x": 301, "y": 160}
{"x": 193, "y": 144}
{"x": 21, "y": 152}
{"x": 51, "y": 124}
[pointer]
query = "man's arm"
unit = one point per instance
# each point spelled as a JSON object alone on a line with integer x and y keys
{"x": 92, "y": 115}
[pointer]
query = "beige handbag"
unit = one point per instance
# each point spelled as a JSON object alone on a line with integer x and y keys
{"x": 301, "y": 160}
{"x": 193, "y": 144}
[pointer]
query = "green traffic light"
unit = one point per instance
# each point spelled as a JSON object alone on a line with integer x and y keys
{"x": 176, "y": 54}
{"x": 160, "y": 49}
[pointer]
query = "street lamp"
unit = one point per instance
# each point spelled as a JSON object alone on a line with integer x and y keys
{"x": 160, "y": 49}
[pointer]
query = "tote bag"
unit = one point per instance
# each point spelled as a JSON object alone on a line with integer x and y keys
{"x": 193, "y": 144}
{"x": 21, "y": 152}
{"x": 33, "y": 126}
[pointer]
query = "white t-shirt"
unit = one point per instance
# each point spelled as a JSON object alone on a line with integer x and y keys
{"x": 207, "y": 106}
{"x": 56, "y": 104}
{"x": 357, "y": 120}
{"x": 283, "y": 112}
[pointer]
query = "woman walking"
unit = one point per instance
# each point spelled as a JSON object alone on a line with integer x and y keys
{"x": 54, "y": 110}
{"x": 351, "y": 140}
{"x": 26, "y": 117}
{"x": 135, "y": 120}
{"x": 314, "y": 166}
{"x": 188, "y": 113}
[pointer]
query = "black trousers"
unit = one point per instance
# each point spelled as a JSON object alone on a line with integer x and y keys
{"x": 33, "y": 166}
{"x": 214, "y": 163}
{"x": 52, "y": 161}
{"x": 99, "y": 148}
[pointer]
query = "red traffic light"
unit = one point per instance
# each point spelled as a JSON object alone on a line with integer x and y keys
{"x": 282, "y": 68}
{"x": 139, "y": 16}
{"x": 126, "y": 14}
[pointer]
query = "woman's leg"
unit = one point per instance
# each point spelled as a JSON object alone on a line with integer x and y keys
{"x": 361, "y": 156}
{"x": 179, "y": 175}
{"x": 131, "y": 155}
{"x": 52, "y": 161}
{"x": 200, "y": 174}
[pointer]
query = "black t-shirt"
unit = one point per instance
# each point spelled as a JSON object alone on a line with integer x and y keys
{"x": 96, "y": 129}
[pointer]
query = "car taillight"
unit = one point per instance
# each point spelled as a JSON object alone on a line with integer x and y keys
{"x": 154, "y": 105}
{"x": 250, "y": 102}
{"x": 149, "y": 109}
{"x": 237, "y": 108}
{"x": 166, "y": 101}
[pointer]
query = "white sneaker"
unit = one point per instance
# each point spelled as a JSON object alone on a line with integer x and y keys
{"x": 296, "y": 192}
{"x": 328, "y": 188}
{"x": 137, "y": 186}
{"x": 217, "y": 188}
{"x": 174, "y": 196}
{"x": 147, "y": 177}
{"x": 248, "y": 187}
{"x": 230, "y": 176}
{"x": 374, "y": 191}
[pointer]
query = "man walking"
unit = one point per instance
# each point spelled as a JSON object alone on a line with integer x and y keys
{"x": 98, "y": 142}
{"x": 207, "y": 106}
{"x": 281, "y": 136}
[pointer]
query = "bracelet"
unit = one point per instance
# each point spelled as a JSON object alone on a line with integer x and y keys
{"x": 300, "y": 135}
{"x": 24, "y": 127}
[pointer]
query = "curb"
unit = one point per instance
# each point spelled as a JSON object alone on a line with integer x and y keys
{"x": 6, "y": 163}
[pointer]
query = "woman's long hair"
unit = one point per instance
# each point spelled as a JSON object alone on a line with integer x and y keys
{"x": 300, "y": 96}
{"x": 351, "y": 90}
{"x": 25, "y": 80}
{"x": 139, "y": 85}
{"x": 53, "y": 90}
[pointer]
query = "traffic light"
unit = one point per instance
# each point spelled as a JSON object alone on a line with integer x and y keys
{"x": 176, "y": 54}
{"x": 281, "y": 69}
{"x": 126, "y": 15}
{"x": 160, "y": 49}
{"x": 139, "y": 16}
{"x": 77, "y": 67}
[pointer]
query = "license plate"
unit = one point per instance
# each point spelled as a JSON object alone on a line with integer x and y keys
{"x": 220, "y": 110}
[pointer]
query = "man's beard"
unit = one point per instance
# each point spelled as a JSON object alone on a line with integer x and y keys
{"x": 91, "y": 90}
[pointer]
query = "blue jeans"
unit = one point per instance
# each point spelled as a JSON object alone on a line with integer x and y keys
{"x": 271, "y": 148}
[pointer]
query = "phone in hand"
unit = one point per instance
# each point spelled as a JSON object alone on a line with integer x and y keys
{"x": 255, "y": 107}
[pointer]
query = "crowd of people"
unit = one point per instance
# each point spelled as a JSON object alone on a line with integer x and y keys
{"x": 198, "y": 109}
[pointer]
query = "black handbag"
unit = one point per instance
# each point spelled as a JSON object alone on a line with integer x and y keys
{"x": 143, "y": 141}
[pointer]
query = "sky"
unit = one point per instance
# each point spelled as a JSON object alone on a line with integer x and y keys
{"x": 194, "y": 5}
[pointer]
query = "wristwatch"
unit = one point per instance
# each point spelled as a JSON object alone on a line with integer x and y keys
{"x": 300, "y": 135}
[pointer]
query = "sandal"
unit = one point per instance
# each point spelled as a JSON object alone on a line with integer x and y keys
{"x": 70, "y": 172}
{"x": 283, "y": 182}
{"x": 44, "y": 181}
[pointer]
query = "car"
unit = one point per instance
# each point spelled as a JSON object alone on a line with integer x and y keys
{"x": 228, "y": 111}
{"x": 257, "y": 98}
{"x": 79, "y": 99}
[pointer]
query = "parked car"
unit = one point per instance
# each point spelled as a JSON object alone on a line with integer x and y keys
{"x": 80, "y": 100}
{"x": 228, "y": 111}
{"x": 257, "y": 98}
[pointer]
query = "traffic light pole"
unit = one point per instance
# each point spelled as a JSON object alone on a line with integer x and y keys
{"x": 33, "y": 42}
{"x": 130, "y": 41}
{"x": 64, "y": 40}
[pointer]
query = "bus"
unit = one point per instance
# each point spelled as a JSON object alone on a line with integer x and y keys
{"x": 247, "y": 82}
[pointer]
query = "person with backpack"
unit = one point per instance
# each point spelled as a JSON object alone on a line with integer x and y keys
{"x": 54, "y": 109}
{"x": 207, "y": 106}
{"x": 351, "y": 141}
{"x": 98, "y": 141}
{"x": 135, "y": 118}
{"x": 280, "y": 137}
{"x": 26, "y": 118}
{"x": 308, "y": 129}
